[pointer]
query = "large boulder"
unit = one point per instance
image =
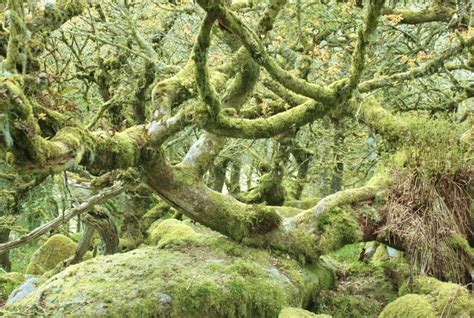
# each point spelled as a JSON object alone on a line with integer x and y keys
{"x": 432, "y": 298}
{"x": 207, "y": 275}
{"x": 54, "y": 251}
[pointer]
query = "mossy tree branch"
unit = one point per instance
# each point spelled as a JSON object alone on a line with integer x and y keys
{"x": 52, "y": 18}
{"x": 23, "y": 44}
{"x": 213, "y": 120}
{"x": 435, "y": 13}
{"x": 368, "y": 192}
{"x": 370, "y": 24}
{"x": 254, "y": 46}
{"x": 381, "y": 120}
{"x": 17, "y": 32}
{"x": 255, "y": 225}
{"x": 71, "y": 146}
{"x": 425, "y": 69}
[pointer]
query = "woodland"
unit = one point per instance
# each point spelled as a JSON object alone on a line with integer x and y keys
{"x": 236, "y": 158}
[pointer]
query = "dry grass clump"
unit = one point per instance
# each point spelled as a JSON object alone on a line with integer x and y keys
{"x": 428, "y": 214}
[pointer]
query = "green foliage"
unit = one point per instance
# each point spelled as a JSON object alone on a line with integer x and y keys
{"x": 363, "y": 288}
{"x": 433, "y": 146}
{"x": 348, "y": 253}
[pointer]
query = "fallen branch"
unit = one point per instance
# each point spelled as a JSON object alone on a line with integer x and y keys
{"x": 100, "y": 197}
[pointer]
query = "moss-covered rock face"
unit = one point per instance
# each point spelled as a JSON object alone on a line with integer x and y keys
{"x": 55, "y": 250}
{"x": 292, "y": 312}
{"x": 212, "y": 277}
{"x": 410, "y": 305}
{"x": 8, "y": 282}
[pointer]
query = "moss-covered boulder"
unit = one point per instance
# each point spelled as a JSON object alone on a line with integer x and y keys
{"x": 212, "y": 277}
{"x": 411, "y": 305}
{"x": 447, "y": 298}
{"x": 8, "y": 282}
{"x": 172, "y": 232}
{"x": 432, "y": 298}
{"x": 292, "y": 312}
{"x": 55, "y": 250}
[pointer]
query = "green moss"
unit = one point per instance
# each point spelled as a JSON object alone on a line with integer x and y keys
{"x": 342, "y": 306}
{"x": 55, "y": 250}
{"x": 380, "y": 255}
{"x": 51, "y": 19}
{"x": 155, "y": 213}
{"x": 263, "y": 219}
{"x": 120, "y": 151}
{"x": 410, "y": 305}
{"x": 173, "y": 232}
{"x": 127, "y": 244}
{"x": 363, "y": 289}
{"x": 347, "y": 253}
{"x": 337, "y": 228}
{"x": 356, "y": 296}
{"x": 447, "y": 299}
{"x": 292, "y": 312}
{"x": 430, "y": 297}
{"x": 203, "y": 280}
{"x": 8, "y": 282}
{"x": 459, "y": 242}
{"x": 303, "y": 204}
{"x": 228, "y": 247}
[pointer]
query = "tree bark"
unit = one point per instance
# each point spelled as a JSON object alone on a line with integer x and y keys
{"x": 82, "y": 246}
{"x": 5, "y": 256}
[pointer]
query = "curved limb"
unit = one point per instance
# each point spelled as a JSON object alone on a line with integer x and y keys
{"x": 102, "y": 222}
{"x": 350, "y": 196}
{"x": 212, "y": 119}
{"x": 252, "y": 43}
